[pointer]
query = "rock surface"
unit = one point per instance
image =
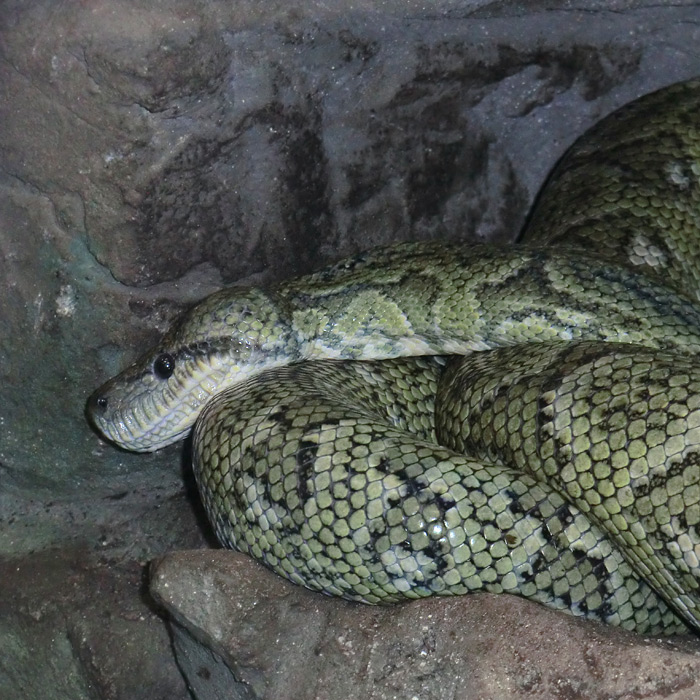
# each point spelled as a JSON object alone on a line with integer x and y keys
{"x": 270, "y": 640}
{"x": 150, "y": 152}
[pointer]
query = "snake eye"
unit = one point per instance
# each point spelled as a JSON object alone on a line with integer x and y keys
{"x": 164, "y": 366}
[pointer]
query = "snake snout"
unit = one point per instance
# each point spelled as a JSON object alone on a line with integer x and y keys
{"x": 96, "y": 404}
{"x": 98, "y": 411}
{"x": 115, "y": 416}
{"x": 96, "y": 408}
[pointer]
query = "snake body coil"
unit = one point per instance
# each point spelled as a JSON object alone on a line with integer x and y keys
{"x": 559, "y": 459}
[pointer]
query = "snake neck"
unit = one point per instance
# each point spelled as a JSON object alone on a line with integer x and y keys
{"x": 459, "y": 299}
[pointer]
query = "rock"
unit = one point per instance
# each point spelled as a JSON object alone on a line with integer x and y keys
{"x": 151, "y": 152}
{"x": 73, "y": 625}
{"x": 260, "y": 637}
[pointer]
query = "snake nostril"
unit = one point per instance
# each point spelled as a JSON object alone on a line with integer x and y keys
{"x": 99, "y": 403}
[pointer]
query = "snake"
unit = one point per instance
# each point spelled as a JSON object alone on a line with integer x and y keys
{"x": 431, "y": 418}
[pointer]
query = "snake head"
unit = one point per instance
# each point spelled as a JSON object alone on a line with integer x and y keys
{"x": 221, "y": 341}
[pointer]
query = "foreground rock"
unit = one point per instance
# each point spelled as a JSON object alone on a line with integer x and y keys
{"x": 242, "y": 632}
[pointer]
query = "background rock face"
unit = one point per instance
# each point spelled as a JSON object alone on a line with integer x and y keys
{"x": 151, "y": 152}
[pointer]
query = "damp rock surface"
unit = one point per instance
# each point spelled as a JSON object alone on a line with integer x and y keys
{"x": 153, "y": 152}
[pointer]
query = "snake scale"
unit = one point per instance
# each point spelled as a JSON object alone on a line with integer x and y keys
{"x": 433, "y": 419}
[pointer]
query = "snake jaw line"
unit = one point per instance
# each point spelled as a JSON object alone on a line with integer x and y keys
{"x": 176, "y": 403}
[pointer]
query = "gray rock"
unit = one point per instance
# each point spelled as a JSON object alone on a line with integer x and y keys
{"x": 269, "y": 639}
{"x": 74, "y": 626}
{"x": 150, "y": 152}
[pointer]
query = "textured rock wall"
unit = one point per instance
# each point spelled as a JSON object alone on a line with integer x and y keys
{"x": 150, "y": 152}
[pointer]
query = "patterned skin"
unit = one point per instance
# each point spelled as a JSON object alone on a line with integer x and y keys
{"x": 558, "y": 459}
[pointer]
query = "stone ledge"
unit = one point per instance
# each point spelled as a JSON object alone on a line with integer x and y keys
{"x": 243, "y": 628}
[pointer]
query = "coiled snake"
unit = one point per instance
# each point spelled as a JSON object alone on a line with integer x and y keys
{"x": 560, "y": 463}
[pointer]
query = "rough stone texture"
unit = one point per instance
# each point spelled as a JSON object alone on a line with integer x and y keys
{"x": 151, "y": 151}
{"x": 76, "y": 620}
{"x": 73, "y": 625}
{"x": 270, "y": 640}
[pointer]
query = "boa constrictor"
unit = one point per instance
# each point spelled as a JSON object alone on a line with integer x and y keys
{"x": 340, "y": 441}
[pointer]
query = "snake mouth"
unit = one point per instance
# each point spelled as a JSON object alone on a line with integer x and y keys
{"x": 140, "y": 428}
{"x": 144, "y": 413}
